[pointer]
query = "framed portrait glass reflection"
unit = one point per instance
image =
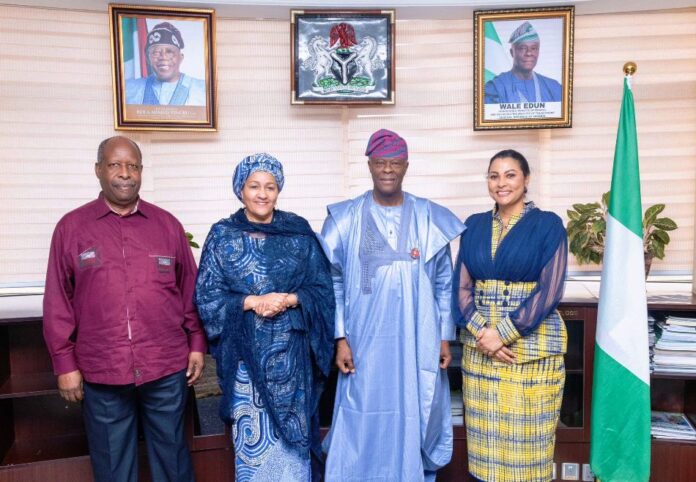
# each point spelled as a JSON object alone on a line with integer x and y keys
{"x": 342, "y": 57}
{"x": 523, "y": 68}
{"x": 163, "y": 64}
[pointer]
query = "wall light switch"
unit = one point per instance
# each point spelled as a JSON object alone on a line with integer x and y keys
{"x": 570, "y": 471}
{"x": 587, "y": 474}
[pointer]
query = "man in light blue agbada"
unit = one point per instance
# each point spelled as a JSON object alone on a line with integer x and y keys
{"x": 166, "y": 85}
{"x": 521, "y": 83}
{"x": 391, "y": 268}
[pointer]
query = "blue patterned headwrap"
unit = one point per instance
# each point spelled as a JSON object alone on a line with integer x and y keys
{"x": 253, "y": 163}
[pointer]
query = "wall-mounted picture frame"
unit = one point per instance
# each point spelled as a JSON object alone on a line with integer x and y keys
{"x": 523, "y": 68}
{"x": 342, "y": 56}
{"x": 163, "y": 68}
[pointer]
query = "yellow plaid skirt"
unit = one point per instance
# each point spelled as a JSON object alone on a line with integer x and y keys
{"x": 511, "y": 414}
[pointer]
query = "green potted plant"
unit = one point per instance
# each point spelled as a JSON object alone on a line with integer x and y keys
{"x": 191, "y": 242}
{"x": 587, "y": 227}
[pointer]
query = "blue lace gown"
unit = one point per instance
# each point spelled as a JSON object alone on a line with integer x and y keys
{"x": 271, "y": 370}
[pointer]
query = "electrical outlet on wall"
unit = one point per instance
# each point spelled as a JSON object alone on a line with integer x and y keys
{"x": 587, "y": 474}
{"x": 570, "y": 471}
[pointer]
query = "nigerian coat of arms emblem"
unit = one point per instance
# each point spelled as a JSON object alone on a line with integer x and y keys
{"x": 343, "y": 59}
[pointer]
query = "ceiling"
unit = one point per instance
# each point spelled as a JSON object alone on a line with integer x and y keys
{"x": 405, "y": 9}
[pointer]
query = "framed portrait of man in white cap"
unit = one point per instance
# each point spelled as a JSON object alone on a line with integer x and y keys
{"x": 163, "y": 68}
{"x": 523, "y": 68}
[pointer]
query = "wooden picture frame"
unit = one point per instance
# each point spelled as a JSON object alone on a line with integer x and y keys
{"x": 342, "y": 56}
{"x": 163, "y": 68}
{"x": 523, "y": 68}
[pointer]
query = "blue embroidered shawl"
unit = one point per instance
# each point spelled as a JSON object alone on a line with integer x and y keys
{"x": 522, "y": 253}
{"x": 288, "y": 356}
{"x": 534, "y": 250}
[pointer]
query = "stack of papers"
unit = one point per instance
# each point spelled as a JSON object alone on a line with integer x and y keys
{"x": 675, "y": 349}
{"x": 669, "y": 425}
{"x": 651, "y": 332}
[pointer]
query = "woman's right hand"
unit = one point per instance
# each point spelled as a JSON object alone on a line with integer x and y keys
{"x": 268, "y": 305}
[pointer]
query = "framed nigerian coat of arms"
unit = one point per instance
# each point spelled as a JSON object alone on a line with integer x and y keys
{"x": 342, "y": 57}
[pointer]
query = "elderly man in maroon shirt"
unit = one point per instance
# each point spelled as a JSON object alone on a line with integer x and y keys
{"x": 120, "y": 323}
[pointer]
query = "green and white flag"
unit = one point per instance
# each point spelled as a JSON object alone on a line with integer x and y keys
{"x": 134, "y": 34}
{"x": 497, "y": 59}
{"x": 620, "y": 429}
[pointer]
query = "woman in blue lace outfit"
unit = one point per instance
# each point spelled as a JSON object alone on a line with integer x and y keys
{"x": 265, "y": 297}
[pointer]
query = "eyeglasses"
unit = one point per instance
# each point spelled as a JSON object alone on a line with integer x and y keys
{"x": 384, "y": 163}
{"x": 163, "y": 52}
{"x": 117, "y": 166}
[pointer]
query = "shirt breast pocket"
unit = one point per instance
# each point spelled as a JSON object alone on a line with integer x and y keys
{"x": 163, "y": 268}
{"x": 88, "y": 258}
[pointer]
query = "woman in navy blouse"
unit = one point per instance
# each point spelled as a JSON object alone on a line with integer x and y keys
{"x": 508, "y": 280}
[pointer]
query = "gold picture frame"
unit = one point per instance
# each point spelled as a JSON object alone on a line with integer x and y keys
{"x": 523, "y": 68}
{"x": 163, "y": 68}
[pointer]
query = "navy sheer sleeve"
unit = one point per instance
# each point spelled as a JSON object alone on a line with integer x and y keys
{"x": 464, "y": 309}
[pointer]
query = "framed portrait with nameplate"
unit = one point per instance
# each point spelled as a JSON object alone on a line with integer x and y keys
{"x": 163, "y": 68}
{"x": 523, "y": 68}
{"x": 342, "y": 57}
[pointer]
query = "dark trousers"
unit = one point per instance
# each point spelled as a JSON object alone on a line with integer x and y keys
{"x": 111, "y": 420}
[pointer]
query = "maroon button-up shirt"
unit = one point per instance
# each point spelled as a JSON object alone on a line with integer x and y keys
{"x": 118, "y": 303}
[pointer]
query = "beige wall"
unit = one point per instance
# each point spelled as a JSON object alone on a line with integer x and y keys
{"x": 56, "y": 105}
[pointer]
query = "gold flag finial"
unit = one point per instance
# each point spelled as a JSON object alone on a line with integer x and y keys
{"x": 630, "y": 68}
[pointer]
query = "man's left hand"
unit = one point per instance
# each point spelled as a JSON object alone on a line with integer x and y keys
{"x": 445, "y": 355}
{"x": 196, "y": 363}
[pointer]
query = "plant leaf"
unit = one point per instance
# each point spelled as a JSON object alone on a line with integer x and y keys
{"x": 605, "y": 199}
{"x": 571, "y": 230}
{"x": 651, "y": 214}
{"x": 191, "y": 242}
{"x": 659, "y": 250}
{"x": 584, "y": 217}
{"x": 661, "y": 235}
{"x": 599, "y": 226}
{"x": 665, "y": 224}
{"x": 590, "y": 208}
{"x": 579, "y": 243}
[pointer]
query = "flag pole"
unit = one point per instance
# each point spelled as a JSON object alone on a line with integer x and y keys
{"x": 620, "y": 423}
{"x": 629, "y": 68}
